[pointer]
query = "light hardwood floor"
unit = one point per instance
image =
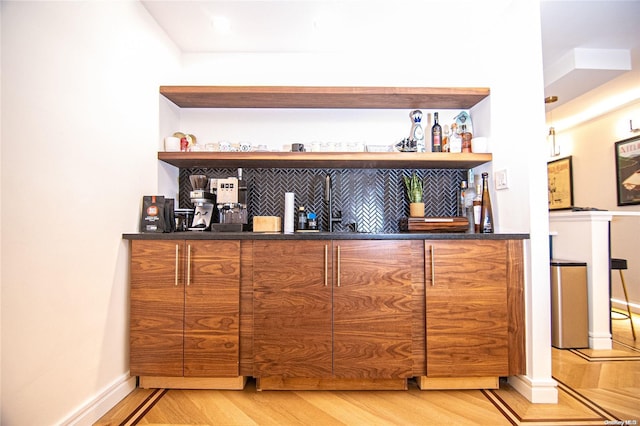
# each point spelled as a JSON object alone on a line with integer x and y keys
{"x": 595, "y": 388}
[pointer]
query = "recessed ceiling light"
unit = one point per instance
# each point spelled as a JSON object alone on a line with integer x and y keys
{"x": 221, "y": 24}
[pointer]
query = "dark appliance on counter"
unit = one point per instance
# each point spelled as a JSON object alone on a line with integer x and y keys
{"x": 203, "y": 201}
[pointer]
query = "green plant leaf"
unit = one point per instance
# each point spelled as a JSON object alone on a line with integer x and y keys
{"x": 414, "y": 188}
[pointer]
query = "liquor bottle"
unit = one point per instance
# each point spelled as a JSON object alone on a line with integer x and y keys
{"x": 445, "y": 138}
{"x": 486, "y": 216}
{"x": 455, "y": 142}
{"x": 416, "y": 129}
{"x": 436, "y": 135}
{"x": 462, "y": 207}
{"x": 466, "y": 139}
{"x": 477, "y": 209}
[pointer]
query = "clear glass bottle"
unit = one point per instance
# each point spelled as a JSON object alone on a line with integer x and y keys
{"x": 486, "y": 216}
{"x": 477, "y": 209}
{"x": 462, "y": 206}
{"x": 466, "y": 139}
{"x": 436, "y": 135}
{"x": 445, "y": 138}
{"x": 455, "y": 142}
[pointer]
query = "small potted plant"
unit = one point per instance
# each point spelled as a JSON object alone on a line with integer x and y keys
{"x": 414, "y": 193}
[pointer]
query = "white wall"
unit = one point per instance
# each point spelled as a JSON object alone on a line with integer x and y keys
{"x": 0, "y": 216}
{"x": 79, "y": 131}
{"x": 79, "y": 137}
{"x": 588, "y": 129}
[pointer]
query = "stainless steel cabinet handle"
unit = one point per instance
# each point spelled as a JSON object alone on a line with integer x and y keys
{"x": 177, "y": 263}
{"x": 326, "y": 264}
{"x": 189, "y": 264}
{"x": 338, "y": 266}
{"x": 433, "y": 267}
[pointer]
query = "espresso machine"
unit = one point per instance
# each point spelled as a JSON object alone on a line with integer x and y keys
{"x": 203, "y": 202}
{"x": 231, "y": 202}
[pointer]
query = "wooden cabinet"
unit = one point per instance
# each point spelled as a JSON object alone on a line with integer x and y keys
{"x": 474, "y": 306}
{"x": 157, "y": 308}
{"x": 292, "y": 308}
{"x": 184, "y": 319}
{"x": 372, "y": 309}
{"x": 332, "y": 314}
{"x": 338, "y": 309}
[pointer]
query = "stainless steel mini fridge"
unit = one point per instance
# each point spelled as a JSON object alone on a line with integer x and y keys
{"x": 569, "y": 315}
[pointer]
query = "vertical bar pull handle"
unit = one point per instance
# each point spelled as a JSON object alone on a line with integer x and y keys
{"x": 177, "y": 262}
{"x": 338, "y": 266}
{"x": 326, "y": 264}
{"x": 433, "y": 267}
{"x": 189, "y": 264}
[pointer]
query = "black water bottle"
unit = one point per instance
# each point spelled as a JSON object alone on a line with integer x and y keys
{"x": 302, "y": 219}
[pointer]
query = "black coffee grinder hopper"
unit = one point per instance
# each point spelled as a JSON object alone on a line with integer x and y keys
{"x": 203, "y": 202}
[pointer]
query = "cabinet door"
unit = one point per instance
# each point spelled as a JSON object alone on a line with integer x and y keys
{"x": 466, "y": 308}
{"x": 372, "y": 309}
{"x": 212, "y": 309}
{"x": 157, "y": 308}
{"x": 292, "y": 308}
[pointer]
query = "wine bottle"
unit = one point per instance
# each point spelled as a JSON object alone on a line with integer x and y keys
{"x": 486, "y": 214}
{"x": 436, "y": 135}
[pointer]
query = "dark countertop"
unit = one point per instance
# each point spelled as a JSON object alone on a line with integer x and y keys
{"x": 206, "y": 235}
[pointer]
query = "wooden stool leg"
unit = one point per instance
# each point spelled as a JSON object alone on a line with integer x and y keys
{"x": 626, "y": 297}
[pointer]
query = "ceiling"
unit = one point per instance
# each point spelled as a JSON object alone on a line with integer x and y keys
{"x": 585, "y": 42}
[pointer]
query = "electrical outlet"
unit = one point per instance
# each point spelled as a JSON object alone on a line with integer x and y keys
{"x": 500, "y": 179}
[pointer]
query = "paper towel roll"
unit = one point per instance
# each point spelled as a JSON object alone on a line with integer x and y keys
{"x": 289, "y": 210}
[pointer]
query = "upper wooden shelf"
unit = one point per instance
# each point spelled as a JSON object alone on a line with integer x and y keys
{"x": 324, "y": 97}
{"x": 340, "y": 160}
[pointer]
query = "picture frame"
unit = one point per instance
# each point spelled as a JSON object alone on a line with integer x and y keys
{"x": 560, "y": 183}
{"x": 627, "y": 156}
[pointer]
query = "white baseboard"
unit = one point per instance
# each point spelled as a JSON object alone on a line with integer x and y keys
{"x": 96, "y": 407}
{"x": 536, "y": 391}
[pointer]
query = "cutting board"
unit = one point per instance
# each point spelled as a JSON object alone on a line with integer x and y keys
{"x": 434, "y": 224}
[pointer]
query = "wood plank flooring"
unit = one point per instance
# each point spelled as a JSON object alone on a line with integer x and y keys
{"x": 594, "y": 387}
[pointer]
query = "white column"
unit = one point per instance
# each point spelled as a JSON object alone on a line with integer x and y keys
{"x": 584, "y": 236}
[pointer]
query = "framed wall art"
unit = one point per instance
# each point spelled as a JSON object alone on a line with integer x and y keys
{"x": 560, "y": 184}
{"x": 628, "y": 171}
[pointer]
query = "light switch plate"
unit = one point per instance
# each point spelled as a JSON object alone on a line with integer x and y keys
{"x": 500, "y": 179}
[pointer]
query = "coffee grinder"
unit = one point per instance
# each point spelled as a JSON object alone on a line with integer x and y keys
{"x": 231, "y": 201}
{"x": 203, "y": 201}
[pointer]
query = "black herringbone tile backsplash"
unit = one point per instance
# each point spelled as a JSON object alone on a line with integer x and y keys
{"x": 374, "y": 199}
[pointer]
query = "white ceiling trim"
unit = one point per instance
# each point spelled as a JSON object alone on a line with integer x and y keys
{"x": 588, "y": 59}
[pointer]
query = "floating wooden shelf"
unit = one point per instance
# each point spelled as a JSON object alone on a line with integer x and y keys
{"x": 340, "y": 160}
{"x": 324, "y": 97}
